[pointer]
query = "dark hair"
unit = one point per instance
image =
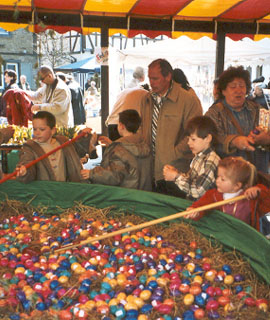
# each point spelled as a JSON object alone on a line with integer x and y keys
{"x": 131, "y": 119}
{"x": 203, "y": 126}
{"x": 239, "y": 170}
{"x": 49, "y": 117}
{"x": 12, "y": 74}
{"x": 180, "y": 77}
{"x": 145, "y": 86}
{"x": 62, "y": 76}
{"x": 164, "y": 65}
{"x": 229, "y": 75}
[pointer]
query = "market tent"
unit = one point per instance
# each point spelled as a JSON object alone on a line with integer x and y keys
{"x": 185, "y": 51}
{"x": 83, "y": 66}
{"x": 131, "y": 17}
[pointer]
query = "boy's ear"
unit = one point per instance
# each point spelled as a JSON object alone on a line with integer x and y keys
{"x": 121, "y": 125}
{"x": 53, "y": 131}
{"x": 209, "y": 138}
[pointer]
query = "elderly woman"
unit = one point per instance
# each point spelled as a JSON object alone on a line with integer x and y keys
{"x": 236, "y": 116}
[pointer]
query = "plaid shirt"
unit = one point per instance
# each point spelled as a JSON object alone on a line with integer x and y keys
{"x": 201, "y": 175}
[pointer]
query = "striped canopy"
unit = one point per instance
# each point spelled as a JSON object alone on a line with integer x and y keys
{"x": 195, "y": 18}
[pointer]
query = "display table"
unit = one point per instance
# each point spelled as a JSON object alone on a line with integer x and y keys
{"x": 231, "y": 232}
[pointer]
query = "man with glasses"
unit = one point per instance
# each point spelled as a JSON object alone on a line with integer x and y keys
{"x": 55, "y": 97}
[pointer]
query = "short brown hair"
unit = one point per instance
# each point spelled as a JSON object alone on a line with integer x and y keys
{"x": 229, "y": 75}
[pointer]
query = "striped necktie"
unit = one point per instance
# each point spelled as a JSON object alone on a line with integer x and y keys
{"x": 156, "y": 109}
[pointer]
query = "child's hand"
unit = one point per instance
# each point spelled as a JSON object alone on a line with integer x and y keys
{"x": 192, "y": 215}
{"x": 86, "y": 131}
{"x": 85, "y": 174}
{"x": 170, "y": 173}
{"x": 84, "y": 159}
{"x": 103, "y": 140}
{"x": 21, "y": 171}
{"x": 252, "y": 193}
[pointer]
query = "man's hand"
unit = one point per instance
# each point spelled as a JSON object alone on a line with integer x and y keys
{"x": 243, "y": 143}
{"x": 85, "y": 174}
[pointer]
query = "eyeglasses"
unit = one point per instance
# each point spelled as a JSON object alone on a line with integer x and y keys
{"x": 43, "y": 78}
{"x": 234, "y": 85}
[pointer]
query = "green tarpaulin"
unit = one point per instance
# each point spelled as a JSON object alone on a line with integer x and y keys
{"x": 232, "y": 233}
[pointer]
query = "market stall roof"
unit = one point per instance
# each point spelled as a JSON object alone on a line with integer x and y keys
{"x": 194, "y": 18}
{"x": 83, "y": 66}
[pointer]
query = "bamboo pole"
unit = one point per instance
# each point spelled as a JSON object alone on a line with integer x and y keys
{"x": 29, "y": 164}
{"x": 153, "y": 222}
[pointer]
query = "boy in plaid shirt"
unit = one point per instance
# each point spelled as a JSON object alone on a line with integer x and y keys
{"x": 202, "y": 136}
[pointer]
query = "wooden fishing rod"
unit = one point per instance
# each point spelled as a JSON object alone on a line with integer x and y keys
{"x": 30, "y": 164}
{"x": 151, "y": 223}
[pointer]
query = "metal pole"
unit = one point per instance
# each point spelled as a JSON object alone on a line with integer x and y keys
{"x": 104, "y": 83}
{"x": 220, "y": 51}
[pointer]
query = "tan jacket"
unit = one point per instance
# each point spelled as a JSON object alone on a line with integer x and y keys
{"x": 171, "y": 143}
{"x": 126, "y": 163}
{"x": 42, "y": 170}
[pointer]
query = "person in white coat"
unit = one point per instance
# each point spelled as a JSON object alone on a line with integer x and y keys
{"x": 53, "y": 97}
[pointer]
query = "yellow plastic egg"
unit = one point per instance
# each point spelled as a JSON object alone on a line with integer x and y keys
{"x": 113, "y": 302}
{"x": 63, "y": 279}
{"x": 54, "y": 266}
{"x": 131, "y": 306}
{"x": 121, "y": 296}
{"x": 190, "y": 267}
{"x": 192, "y": 254}
{"x": 19, "y": 270}
{"x": 152, "y": 271}
{"x": 188, "y": 299}
{"x": 93, "y": 261}
{"x": 121, "y": 279}
{"x": 84, "y": 233}
{"x": 36, "y": 226}
{"x": 79, "y": 270}
{"x": 162, "y": 282}
{"x": 74, "y": 266}
{"x": 142, "y": 317}
{"x": 198, "y": 279}
{"x": 210, "y": 275}
{"x": 138, "y": 301}
{"x": 145, "y": 295}
{"x": 14, "y": 250}
{"x": 89, "y": 305}
{"x": 101, "y": 303}
{"x": 113, "y": 283}
{"x": 45, "y": 227}
{"x": 130, "y": 298}
{"x": 228, "y": 279}
{"x": 229, "y": 307}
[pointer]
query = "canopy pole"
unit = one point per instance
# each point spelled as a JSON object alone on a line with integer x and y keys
{"x": 104, "y": 83}
{"x": 220, "y": 51}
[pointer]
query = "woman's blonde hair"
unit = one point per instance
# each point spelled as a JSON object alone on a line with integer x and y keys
{"x": 239, "y": 170}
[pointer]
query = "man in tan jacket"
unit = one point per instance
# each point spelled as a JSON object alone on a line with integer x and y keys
{"x": 165, "y": 112}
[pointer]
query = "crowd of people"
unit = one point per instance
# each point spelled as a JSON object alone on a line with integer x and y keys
{"x": 159, "y": 140}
